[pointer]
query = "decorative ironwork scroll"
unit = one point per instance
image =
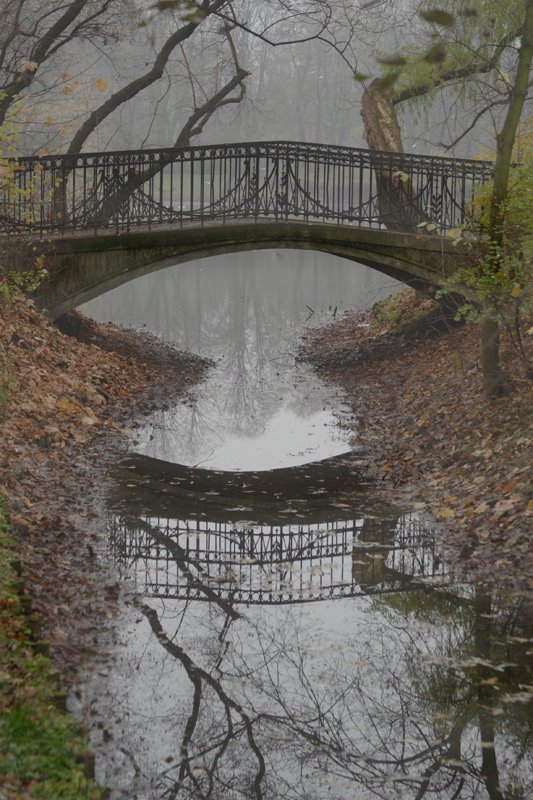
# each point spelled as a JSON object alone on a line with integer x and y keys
{"x": 235, "y": 182}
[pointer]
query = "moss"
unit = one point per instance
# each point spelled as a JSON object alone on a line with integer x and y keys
{"x": 400, "y": 312}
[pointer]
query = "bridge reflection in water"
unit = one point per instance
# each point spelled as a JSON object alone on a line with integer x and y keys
{"x": 223, "y": 557}
{"x": 422, "y": 692}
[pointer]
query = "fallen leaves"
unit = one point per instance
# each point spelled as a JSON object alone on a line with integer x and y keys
{"x": 417, "y": 402}
{"x": 69, "y": 405}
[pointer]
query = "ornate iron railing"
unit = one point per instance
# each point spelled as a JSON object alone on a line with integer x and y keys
{"x": 272, "y": 563}
{"x": 231, "y": 182}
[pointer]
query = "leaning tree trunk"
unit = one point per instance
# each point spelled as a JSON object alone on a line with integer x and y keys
{"x": 382, "y": 129}
{"x": 397, "y": 205}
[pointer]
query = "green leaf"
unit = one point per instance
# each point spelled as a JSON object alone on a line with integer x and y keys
{"x": 438, "y": 17}
{"x": 435, "y": 54}
{"x": 455, "y": 233}
{"x": 403, "y": 176}
{"x": 360, "y": 76}
{"x": 389, "y": 80}
{"x": 394, "y": 60}
{"x": 166, "y": 5}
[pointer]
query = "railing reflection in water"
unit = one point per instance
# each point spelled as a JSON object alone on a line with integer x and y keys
{"x": 245, "y": 562}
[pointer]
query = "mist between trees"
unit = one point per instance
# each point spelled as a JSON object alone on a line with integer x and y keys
{"x": 119, "y": 74}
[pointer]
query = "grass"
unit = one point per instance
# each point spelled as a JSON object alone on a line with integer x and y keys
{"x": 42, "y": 751}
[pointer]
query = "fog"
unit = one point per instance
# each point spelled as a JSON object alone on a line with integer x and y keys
{"x": 299, "y": 64}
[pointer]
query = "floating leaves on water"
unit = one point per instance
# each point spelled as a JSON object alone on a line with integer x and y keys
{"x": 517, "y": 697}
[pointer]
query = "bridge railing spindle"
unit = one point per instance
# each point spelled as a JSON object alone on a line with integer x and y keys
{"x": 221, "y": 171}
{"x": 212, "y": 169}
{"x": 191, "y": 188}
{"x": 202, "y": 186}
{"x": 161, "y": 187}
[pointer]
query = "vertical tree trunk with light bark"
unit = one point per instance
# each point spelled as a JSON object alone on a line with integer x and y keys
{"x": 493, "y": 377}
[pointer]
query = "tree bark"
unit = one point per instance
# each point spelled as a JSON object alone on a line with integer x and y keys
{"x": 397, "y": 206}
{"x": 382, "y": 129}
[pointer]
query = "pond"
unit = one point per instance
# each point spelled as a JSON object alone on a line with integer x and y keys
{"x": 294, "y": 634}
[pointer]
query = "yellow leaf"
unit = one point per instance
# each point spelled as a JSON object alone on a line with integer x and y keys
{"x": 446, "y": 513}
{"x": 101, "y": 84}
{"x": 403, "y": 176}
{"x": 65, "y": 404}
{"x": 517, "y": 291}
{"x": 31, "y": 66}
{"x": 455, "y": 233}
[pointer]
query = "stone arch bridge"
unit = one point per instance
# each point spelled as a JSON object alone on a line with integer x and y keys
{"x": 102, "y": 219}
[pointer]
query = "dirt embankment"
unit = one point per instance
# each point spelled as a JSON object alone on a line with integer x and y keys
{"x": 434, "y": 441}
{"x": 67, "y": 407}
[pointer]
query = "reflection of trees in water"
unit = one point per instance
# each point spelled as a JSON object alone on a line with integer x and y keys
{"x": 183, "y": 302}
{"x": 395, "y": 708}
{"x": 243, "y": 307}
{"x": 413, "y": 694}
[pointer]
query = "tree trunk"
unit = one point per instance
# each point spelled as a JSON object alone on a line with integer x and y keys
{"x": 382, "y": 129}
{"x": 493, "y": 377}
{"x": 397, "y": 206}
{"x": 490, "y": 351}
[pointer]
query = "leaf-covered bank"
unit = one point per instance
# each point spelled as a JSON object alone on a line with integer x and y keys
{"x": 67, "y": 407}
{"x": 417, "y": 400}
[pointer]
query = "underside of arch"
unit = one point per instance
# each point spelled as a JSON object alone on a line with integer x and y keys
{"x": 83, "y": 267}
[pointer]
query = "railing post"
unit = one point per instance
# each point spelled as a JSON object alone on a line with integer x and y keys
{"x": 287, "y": 173}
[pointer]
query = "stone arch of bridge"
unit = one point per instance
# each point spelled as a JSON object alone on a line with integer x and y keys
{"x": 81, "y": 268}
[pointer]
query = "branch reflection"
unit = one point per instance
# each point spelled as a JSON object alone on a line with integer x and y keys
{"x": 399, "y": 684}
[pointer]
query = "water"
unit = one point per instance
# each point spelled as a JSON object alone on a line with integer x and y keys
{"x": 295, "y": 635}
{"x": 257, "y": 409}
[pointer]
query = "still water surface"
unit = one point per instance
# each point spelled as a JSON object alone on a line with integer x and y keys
{"x": 257, "y": 409}
{"x": 295, "y": 635}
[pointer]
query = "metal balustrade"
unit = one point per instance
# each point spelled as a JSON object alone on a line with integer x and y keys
{"x": 125, "y": 190}
{"x": 273, "y": 564}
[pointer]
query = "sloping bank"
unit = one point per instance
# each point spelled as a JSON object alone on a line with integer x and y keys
{"x": 67, "y": 408}
{"x": 416, "y": 392}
